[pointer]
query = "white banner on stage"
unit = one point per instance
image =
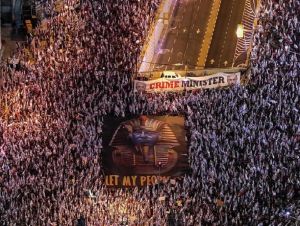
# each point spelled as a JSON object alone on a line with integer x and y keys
{"x": 187, "y": 83}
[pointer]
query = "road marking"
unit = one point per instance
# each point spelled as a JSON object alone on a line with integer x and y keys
{"x": 226, "y": 34}
{"x": 150, "y": 44}
{"x": 208, "y": 34}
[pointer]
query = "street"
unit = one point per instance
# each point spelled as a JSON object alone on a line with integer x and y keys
{"x": 184, "y": 36}
{"x": 222, "y": 48}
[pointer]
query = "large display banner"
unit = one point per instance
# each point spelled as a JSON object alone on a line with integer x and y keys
{"x": 143, "y": 150}
{"x": 187, "y": 83}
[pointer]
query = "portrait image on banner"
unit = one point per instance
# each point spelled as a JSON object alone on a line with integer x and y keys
{"x": 142, "y": 148}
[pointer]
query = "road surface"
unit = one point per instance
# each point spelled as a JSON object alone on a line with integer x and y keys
{"x": 185, "y": 35}
{"x": 222, "y": 48}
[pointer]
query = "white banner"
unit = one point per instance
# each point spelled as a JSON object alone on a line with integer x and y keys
{"x": 187, "y": 83}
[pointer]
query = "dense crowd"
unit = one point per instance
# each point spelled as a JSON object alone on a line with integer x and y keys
{"x": 244, "y": 149}
{"x": 54, "y": 93}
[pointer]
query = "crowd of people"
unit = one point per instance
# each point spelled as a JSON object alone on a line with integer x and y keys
{"x": 244, "y": 150}
{"x": 74, "y": 69}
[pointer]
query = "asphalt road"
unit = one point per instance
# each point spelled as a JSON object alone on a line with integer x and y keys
{"x": 221, "y": 52}
{"x": 185, "y": 34}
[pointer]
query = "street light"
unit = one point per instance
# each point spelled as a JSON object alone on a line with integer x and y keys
{"x": 240, "y": 31}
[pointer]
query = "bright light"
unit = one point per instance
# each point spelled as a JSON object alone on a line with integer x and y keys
{"x": 287, "y": 213}
{"x": 178, "y": 64}
{"x": 240, "y": 31}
